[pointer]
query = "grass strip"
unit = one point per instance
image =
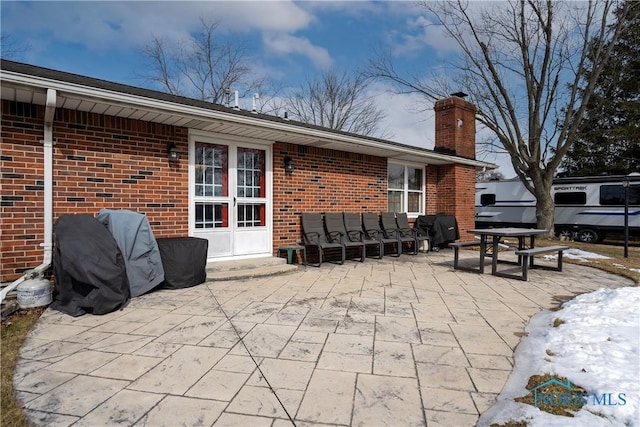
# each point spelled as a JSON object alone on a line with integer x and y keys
{"x": 13, "y": 331}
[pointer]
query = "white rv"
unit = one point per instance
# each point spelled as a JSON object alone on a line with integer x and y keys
{"x": 586, "y": 208}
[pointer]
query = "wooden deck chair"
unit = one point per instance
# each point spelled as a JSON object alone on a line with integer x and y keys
{"x": 314, "y": 235}
{"x": 403, "y": 224}
{"x": 334, "y": 224}
{"x": 353, "y": 225}
{"x": 391, "y": 230}
{"x": 371, "y": 226}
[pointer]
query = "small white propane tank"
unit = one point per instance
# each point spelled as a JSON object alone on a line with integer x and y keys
{"x": 34, "y": 292}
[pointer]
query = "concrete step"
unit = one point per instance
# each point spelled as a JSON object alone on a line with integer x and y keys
{"x": 248, "y": 268}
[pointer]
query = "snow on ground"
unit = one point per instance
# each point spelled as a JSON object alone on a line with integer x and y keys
{"x": 597, "y": 347}
{"x": 579, "y": 255}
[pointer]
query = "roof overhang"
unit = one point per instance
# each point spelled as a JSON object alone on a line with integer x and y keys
{"x": 28, "y": 88}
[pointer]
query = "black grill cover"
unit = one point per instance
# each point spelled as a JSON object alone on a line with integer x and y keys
{"x": 442, "y": 228}
{"x": 89, "y": 270}
{"x": 184, "y": 260}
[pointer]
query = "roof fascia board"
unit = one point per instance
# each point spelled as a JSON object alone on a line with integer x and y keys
{"x": 136, "y": 101}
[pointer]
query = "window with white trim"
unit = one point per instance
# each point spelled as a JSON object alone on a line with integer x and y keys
{"x": 405, "y": 188}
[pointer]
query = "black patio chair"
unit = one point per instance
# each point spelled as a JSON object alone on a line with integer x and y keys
{"x": 314, "y": 235}
{"x": 392, "y": 231}
{"x": 336, "y": 231}
{"x": 353, "y": 225}
{"x": 371, "y": 226}
{"x": 418, "y": 235}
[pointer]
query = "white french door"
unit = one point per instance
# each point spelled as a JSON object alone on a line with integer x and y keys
{"x": 230, "y": 190}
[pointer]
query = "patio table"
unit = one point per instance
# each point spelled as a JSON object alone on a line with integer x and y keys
{"x": 496, "y": 235}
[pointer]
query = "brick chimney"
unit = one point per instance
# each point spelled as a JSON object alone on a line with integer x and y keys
{"x": 456, "y": 135}
{"x": 456, "y": 126}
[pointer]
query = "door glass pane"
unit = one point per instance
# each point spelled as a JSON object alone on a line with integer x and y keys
{"x": 212, "y": 215}
{"x": 251, "y": 215}
{"x": 251, "y": 173}
{"x": 199, "y": 154}
{"x": 211, "y": 170}
{"x": 241, "y": 158}
{"x": 199, "y": 181}
{"x": 208, "y": 177}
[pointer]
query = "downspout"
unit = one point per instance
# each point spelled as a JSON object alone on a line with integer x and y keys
{"x": 50, "y": 109}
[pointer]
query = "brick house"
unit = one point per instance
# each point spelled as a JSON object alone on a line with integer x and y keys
{"x": 108, "y": 148}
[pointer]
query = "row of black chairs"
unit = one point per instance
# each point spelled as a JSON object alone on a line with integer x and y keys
{"x": 341, "y": 231}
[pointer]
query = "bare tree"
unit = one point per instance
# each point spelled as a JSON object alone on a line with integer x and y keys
{"x": 203, "y": 66}
{"x": 489, "y": 175}
{"x": 523, "y": 65}
{"x": 10, "y": 48}
{"x": 337, "y": 101}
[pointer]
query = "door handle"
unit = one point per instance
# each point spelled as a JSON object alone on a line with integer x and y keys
{"x": 234, "y": 202}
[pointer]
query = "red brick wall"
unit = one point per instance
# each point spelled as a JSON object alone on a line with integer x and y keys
{"x": 455, "y": 134}
{"x": 456, "y": 127}
{"x": 431, "y": 189}
{"x": 107, "y": 162}
{"x": 99, "y": 162}
{"x": 456, "y": 190}
{"x": 324, "y": 181}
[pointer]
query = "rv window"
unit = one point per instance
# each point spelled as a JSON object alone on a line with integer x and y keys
{"x": 614, "y": 195}
{"x": 573, "y": 198}
{"x": 634, "y": 195}
{"x": 487, "y": 199}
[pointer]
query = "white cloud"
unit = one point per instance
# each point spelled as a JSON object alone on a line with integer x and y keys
{"x": 123, "y": 26}
{"x": 108, "y": 25}
{"x": 346, "y": 7}
{"x": 285, "y": 44}
{"x": 285, "y": 16}
{"x": 419, "y": 34}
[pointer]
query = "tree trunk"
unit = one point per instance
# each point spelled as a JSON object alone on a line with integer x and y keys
{"x": 545, "y": 209}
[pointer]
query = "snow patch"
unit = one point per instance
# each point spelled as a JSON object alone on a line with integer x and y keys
{"x": 577, "y": 254}
{"x": 597, "y": 347}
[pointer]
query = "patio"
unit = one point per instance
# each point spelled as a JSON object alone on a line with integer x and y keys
{"x": 398, "y": 341}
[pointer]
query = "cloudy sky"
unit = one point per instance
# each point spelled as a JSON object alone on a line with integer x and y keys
{"x": 289, "y": 42}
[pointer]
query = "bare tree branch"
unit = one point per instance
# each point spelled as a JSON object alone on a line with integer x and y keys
{"x": 523, "y": 64}
{"x": 337, "y": 101}
{"x": 10, "y": 48}
{"x": 202, "y": 66}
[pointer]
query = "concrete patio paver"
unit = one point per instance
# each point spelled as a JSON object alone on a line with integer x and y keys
{"x": 386, "y": 400}
{"x": 397, "y": 341}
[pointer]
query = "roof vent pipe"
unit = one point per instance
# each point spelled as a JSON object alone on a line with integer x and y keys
{"x": 227, "y": 97}
{"x": 50, "y": 109}
{"x": 236, "y": 105}
{"x": 255, "y": 98}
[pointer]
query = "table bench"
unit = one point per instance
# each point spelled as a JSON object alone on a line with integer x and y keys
{"x": 456, "y": 247}
{"x": 529, "y": 254}
{"x": 292, "y": 250}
